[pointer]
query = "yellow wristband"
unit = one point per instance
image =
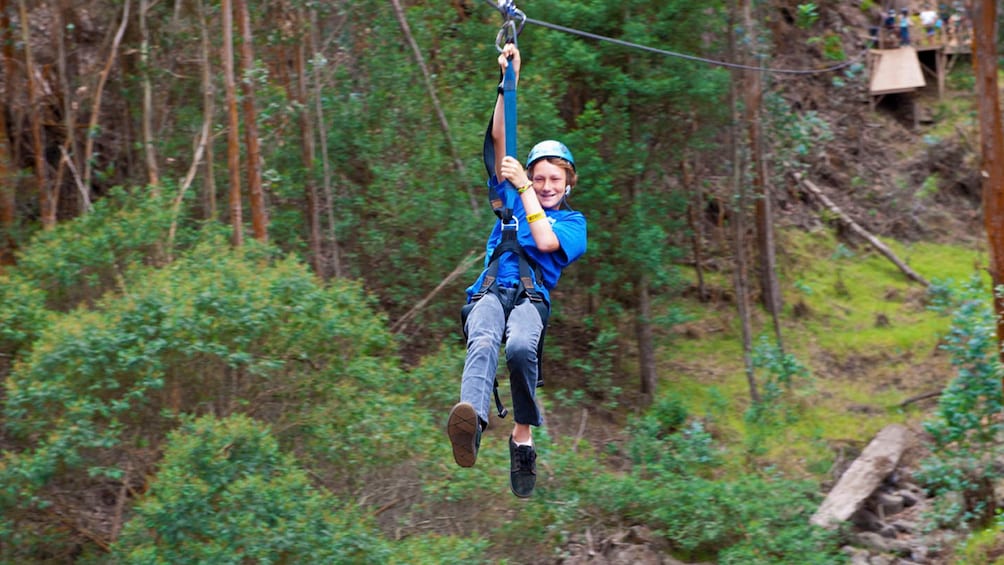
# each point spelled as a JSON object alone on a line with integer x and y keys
{"x": 523, "y": 189}
{"x": 534, "y": 217}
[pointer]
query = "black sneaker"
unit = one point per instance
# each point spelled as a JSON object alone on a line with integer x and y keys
{"x": 522, "y": 468}
{"x": 464, "y": 430}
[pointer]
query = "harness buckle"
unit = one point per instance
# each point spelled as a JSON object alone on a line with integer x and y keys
{"x": 511, "y": 225}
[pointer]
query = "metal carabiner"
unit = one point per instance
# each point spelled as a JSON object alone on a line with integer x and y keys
{"x": 507, "y": 34}
{"x": 510, "y": 28}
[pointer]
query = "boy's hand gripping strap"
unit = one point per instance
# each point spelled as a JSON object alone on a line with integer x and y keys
{"x": 502, "y": 195}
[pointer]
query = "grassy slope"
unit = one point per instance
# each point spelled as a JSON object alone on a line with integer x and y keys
{"x": 861, "y": 369}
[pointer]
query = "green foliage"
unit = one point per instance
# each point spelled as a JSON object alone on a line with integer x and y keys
{"x": 966, "y": 429}
{"x": 806, "y": 15}
{"x": 225, "y": 493}
{"x": 217, "y": 331}
{"x": 751, "y": 519}
{"x": 777, "y": 371}
{"x": 982, "y": 548}
{"x": 833, "y": 47}
{"x": 77, "y": 262}
{"x": 929, "y": 188}
{"x": 962, "y": 80}
{"x": 598, "y": 369}
{"x": 798, "y": 139}
{"x": 23, "y": 315}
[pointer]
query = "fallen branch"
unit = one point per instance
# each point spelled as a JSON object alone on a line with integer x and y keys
{"x": 871, "y": 239}
{"x": 460, "y": 269}
{"x": 918, "y": 398}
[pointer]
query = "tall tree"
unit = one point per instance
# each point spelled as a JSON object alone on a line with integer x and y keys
{"x": 8, "y": 201}
{"x": 739, "y": 214}
{"x": 992, "y": 147}
{"x": 8, "y": 168}
{"x": 102, "y": 80}
{"x": 70, "y": 148}
{"x": 256, "y": 196}
{"x": 763, "y": 213}
{"x": 47, "y": 196}
{"x": 233, "y": 125}
{"x": 322, "y": 137}
{"x": 150, "y": 155}
{"x": 308, "y": 151}
{"x": 208, "y": 113}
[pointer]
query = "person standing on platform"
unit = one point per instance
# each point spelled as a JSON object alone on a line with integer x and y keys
{"x": 904, "y": 28}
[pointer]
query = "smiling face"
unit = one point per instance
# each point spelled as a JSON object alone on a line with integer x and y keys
{"x": 549, "y": 182}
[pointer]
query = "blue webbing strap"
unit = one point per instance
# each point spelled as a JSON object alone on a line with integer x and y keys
{"x": 502, "y": 194}
{"x": 509, "y": 193}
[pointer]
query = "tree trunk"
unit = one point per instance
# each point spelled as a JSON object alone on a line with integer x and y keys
{"x": 92, "y": 125}
{"x": 256, "y": 196}
{"x": 8, "y": 201}
{"x": 695, "y": 217}
{"x": 8, "y": 192}
{"x": 152, "y": 174}
{"x": 992, "y": 146}
{"x": 322, "y": 136}
{"x": 770, "y": 288}
{"x": 741, "y": 275}
{"x": 646, "y": 345}
{"x": 309, "y": 155}
{"x": 70, "y": 148}
{"x": 233, "y": 125}
{"x": 208, "y": 111}
{"x": 46, "y": 201}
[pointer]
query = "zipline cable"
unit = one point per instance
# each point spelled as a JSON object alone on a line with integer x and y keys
{"x": 508, "y": 11}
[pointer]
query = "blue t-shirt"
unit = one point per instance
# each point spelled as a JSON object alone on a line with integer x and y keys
{"x": 570, "y": 228}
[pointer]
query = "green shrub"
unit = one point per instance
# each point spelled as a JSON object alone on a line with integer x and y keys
{"x": 77, "y": 262}
{"x": 217, "y": 331}
{"x": 671, "y": 488}
{"x": 22, "y": 315}
{"x": 966, "y": 429}
{"x": 225, "y": 493}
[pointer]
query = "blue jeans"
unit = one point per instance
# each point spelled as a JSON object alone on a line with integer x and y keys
{"x": 486, "y": 326}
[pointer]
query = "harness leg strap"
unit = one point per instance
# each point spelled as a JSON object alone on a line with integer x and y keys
{"x": 502, "y": 410}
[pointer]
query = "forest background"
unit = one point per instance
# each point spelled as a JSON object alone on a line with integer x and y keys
{"x": 235, "y": 239}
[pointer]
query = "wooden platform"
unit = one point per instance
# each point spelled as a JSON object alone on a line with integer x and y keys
{"x": 895, "y": 70}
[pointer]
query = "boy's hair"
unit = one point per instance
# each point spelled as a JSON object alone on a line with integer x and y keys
{"x": 571, "y": 177}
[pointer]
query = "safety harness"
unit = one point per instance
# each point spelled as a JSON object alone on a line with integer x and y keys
{"x": 502, "y": 197}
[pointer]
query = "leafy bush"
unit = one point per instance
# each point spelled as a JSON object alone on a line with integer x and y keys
{"x": 81, "y": 260}
{"x": 217, "y": 331}
{"x": 22, "y": 315}
{"x": 225, "y": 493}
{"x": 966, "y": 430}
{"x": 807, "y": 15}
{"x": 752, "y": 519}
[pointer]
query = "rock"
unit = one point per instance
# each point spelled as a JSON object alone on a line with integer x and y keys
{"x": 858, "y": 556}
{"x": 878, "y": 544}
{"x": 905, "y": 526}
{"x": 859, "y": 482}
{"x": 888, "y": 531}
{"x": 867, "y": 520}
{"x": 888, "y": 504}
{"x": 909, "y": 498}
{"x": 873, "y": 542}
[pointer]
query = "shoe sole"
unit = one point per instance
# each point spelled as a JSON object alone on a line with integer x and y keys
{"x": 462, "y": 428}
